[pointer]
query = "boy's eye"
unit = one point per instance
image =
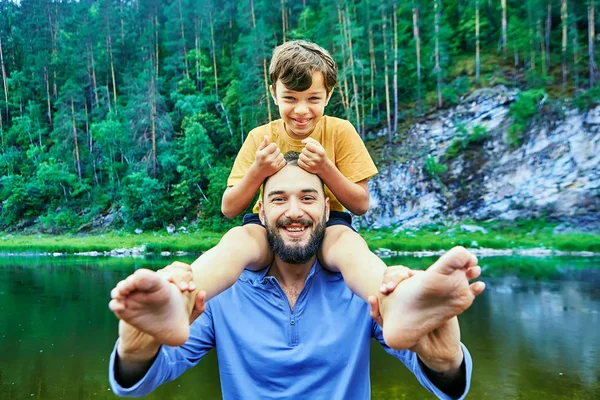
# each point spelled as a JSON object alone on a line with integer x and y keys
{"x": 278, "y": 199}
{"x": 315, "y": 98}
{"x": 288, "y": 98}
{"x": 308, "y": 198}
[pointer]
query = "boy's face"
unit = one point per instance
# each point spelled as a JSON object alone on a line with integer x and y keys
{"x": 301, "y": 111}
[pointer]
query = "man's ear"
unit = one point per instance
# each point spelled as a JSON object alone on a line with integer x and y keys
{"x": 326, "y": 209}
{"x": 261, "y": 212}
{"x": 273, "y": 94}
{"x": 329, "y": 96}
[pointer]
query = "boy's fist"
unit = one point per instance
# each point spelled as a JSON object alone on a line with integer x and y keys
{"x": 268, "y": 158}
{"x": 313, "y": 157}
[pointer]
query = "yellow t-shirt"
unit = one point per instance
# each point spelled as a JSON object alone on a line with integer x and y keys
{"x": 341, "y": 142}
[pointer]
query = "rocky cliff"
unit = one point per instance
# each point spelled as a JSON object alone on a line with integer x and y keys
{"x": 554, "y": 174}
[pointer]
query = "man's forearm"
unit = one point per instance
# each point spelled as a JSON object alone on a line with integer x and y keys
{"x": 135, "y": 354}
{"x": 448, "y": 376}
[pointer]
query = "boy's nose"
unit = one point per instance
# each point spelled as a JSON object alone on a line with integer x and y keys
{"x": 300, "y": 109}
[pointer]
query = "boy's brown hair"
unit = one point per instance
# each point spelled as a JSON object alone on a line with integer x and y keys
{"x": 294, "y": 63}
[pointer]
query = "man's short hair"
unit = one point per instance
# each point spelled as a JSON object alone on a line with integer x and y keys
{"x": 294, "y": 63}
{"x": 291, "y": 158}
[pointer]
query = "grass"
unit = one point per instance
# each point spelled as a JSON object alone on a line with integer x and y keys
{"x": 500, "y": 235}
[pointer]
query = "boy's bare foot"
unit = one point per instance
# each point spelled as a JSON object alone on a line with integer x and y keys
{"x": 427, "y": 300}
{"x": 149, "y": 303}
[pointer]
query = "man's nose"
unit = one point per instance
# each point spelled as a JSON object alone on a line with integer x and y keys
{"x": 294, "y": 209}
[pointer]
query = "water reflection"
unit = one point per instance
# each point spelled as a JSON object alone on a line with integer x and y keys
{"x": 533, "y": 334}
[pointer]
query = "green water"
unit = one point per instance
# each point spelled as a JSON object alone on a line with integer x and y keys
{"x": 534, "y": 334}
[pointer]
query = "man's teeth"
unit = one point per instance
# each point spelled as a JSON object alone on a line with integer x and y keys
{"x": 295, "y": 229}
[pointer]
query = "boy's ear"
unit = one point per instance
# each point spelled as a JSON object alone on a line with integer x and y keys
{"x": 273, "y": 94}
{"x": 329, "y": 96}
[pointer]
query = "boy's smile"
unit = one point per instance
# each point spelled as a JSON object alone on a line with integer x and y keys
{"x": 301, "y": 111}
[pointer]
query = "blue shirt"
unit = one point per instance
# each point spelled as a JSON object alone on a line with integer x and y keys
{"x": 266, "y": 350}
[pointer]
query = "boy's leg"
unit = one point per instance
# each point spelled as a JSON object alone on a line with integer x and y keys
{"x": 419, "y": 304}
{"x": 151, "y": 304}
{"x": 242, "y": 247}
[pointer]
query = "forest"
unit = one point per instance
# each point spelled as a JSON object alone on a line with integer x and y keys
{"x": 135, "y": 109}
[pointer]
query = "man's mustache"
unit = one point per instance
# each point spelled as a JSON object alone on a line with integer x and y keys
{"x": 288, "y": 221}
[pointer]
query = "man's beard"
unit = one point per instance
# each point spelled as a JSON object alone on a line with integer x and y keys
{"x": 295, "y": 253}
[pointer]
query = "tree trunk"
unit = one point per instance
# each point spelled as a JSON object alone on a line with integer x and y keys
{"x": 112, "y": 67}
{"x": 352, "y": 71}
{"x": 417, "y": 36}
{"x": 477, "y": 60}
{"x": 187, "y": 71}
{"x": 283, "y": 20}
{"x": 198, "y": 50}
{"x": 591, "y": 38}
{"x": 372, "y": 62}
{"x": 75, "y": 139}
{"x": 344, "y": 82}
{"x": 122, "y": 30}
{"x": 4, "y": 79}
{"x": 395, "y": 80}
{"x": 214, "y": 54}
{"x": 563, "y": 20}
{"x": 252, "y": 13}
{"x": 504, "y": 28}
{"x": 153, "y": 119}
{"x": 437, "y": 69}
{"x": 531, "y": 50}
{"x": 574, "y": 41}
{"x": 94, "y": 76}
{"x": 47, "y": 79}
{"x": 385, "y": 68}
{"x": 540, "y": 35}
{"x": 267, "y": 94}
{"x": 156, "y": 61}
{"x": 548, "y": 31}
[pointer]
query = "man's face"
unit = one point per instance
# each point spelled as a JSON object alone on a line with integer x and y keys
{"x": 301, "y": 111}
{"x": 294, "y": 211}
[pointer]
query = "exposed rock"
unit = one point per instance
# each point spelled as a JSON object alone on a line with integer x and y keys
{"x": 171, "y": 229}
{"x": 138, "y": 231}
{"x": 473, "y": 228}
{"x": 555, "y": 174}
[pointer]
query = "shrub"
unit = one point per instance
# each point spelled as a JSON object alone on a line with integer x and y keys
{"x": 433, "y": 169}
{"x": 522, "y": 111}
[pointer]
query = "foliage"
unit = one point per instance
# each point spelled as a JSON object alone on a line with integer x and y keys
{"x": 465, "y": 140}
{"x": 100, "y": 96}
{"x": 522, "y": 111}
{"x": 434, "y": 169}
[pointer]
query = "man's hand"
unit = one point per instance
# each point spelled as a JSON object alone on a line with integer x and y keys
{"x": 268, "y": 159}
{"x": 313, "y": 157}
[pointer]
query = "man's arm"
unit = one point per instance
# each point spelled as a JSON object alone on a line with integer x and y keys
{"x": 138, "y": 365}
{"x": 136, "y": 351}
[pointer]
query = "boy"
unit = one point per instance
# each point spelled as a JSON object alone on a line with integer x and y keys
{"x": 303, "y": 76}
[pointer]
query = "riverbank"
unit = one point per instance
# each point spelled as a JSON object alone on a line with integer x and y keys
{"x": 531, "y": 238}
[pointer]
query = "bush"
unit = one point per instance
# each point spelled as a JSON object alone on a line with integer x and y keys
{"x": 522, "y": 111}
{"x": 465, "y": 140}
{"x": 143, "y": 201}
{"x": 434, "y": 169}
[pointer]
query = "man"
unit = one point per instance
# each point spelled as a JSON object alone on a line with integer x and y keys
{"x": 294, "y": 330}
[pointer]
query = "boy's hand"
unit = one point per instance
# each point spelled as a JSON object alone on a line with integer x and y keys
{"x": 313, "y": 157}
{"x": 268, "y": 158}
{"x": 180, "y": 274}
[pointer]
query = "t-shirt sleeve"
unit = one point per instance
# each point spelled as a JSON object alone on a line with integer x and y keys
{"x": 352, "y": 157}
{"x": 246, "y": 155}
{"x": 170, "y": 362}
{"x": 411, "y": 361}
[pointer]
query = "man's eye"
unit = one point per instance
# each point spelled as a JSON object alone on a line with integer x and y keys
{"x": 308, "y": 198}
